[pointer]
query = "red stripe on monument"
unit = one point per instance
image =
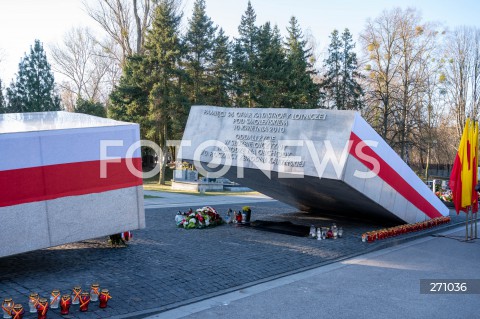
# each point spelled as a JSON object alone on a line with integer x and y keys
{"x": 392, "y": 178}
{"x": 26, "y": 185}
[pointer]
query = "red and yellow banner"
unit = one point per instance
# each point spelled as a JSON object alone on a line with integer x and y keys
{"x": 464, "y": 173}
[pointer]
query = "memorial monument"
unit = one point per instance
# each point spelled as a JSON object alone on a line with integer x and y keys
{"x": 66, "y": 177}
{"x": 326, "y": 161}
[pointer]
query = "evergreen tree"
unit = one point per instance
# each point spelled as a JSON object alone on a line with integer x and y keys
{"x": 352, "y": 91}
{"x": 303, "y": 92}
{"x": 221, "y": 71}
{"x": 245, "y": 59}
{"x": 271, "y": 69}
{"x": 129, "y": 99}
{"x": 331, "y": 85}
{"x": 34, "y": 89}
{"x": 90, "y": 107}
{"x": 3, "y": 106}
{"x": 199, "y": 47}
{"x": 341, "y": 89}
{"x": 168, "y": 106}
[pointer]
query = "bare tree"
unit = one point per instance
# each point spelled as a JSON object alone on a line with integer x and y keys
{"x": 380, "y": 45}
{"x": 397, "y": 46}
{"x": 86, "y": 66}
{"x": 475, "y": 85}
{"x": 125, "y": 22}
{"x": 432, "y": 146}
{"x": 416, "y": 43}
{"x": 462, "y": 74}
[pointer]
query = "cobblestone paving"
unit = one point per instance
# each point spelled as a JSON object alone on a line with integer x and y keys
{"x": 165, "y": 266}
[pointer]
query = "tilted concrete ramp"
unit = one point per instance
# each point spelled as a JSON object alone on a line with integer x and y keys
{"x": 317, "y": 160}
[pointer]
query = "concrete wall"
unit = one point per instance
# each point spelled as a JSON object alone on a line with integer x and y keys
{"x": 64, "y": 220}
{"x": 52, "y": 189}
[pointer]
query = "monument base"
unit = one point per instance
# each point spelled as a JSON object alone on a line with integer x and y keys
{"x": 196, "y": 186}
{"x": 313, "y": 194}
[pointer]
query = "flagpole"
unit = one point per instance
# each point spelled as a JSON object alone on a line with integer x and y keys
{"x": 471, "y": 226}
{"x": 466, "y": 226}
{"x": 476, "y": 215}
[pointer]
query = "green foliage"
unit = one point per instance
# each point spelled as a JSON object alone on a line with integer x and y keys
{"x": 90, "y": 107}
{"x": 199, "y": 48}
{"x": 302, "y": 91}
{"x": 333, "y": 77}
{"x": 204, "y": 67}
{"x": 152, "y": 89}
{"x": 3, "y": 105}
{"x": 352, "y": 91}
{"x": 34, "y": 88}
{"x": 129, "y": 100}
{"x": 272, "y": 69}
{"x": 340, "y": 86}
{"x": 221, "y": 70}
{"x": 269, "y": 74}
{"x": 245, "y": 59}
{"x": 164, "y": 75}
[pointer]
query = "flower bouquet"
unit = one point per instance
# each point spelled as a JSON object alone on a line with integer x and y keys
{"x": 203, "y": 217}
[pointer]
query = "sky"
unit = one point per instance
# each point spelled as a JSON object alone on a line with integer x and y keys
{"x": 23, "y": 21}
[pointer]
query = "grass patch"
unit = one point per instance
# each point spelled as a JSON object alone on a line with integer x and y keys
{"x": 151, "y": 196}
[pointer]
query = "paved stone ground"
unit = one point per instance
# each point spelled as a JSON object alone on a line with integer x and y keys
{"x": 164, "y": 266}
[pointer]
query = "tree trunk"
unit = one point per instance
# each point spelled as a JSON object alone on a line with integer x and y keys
{"x": 163, "y": 139}
{"x": 161, "y": 176}
{"x": 138, "y": 24}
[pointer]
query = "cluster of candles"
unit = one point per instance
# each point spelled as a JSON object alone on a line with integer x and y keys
{"x": 39, "y": 305}
{"x": 403, "y": 229}
{"x": 321, "y": 233}
{"x": 235, "y": 217}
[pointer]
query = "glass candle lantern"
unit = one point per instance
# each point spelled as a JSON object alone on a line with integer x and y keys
{"x": 239, "y": 217}
{"x": 84, "y": 301}
{"x": 340, "y": 232}
{"x": 94, "y": 292}
{"x": 32, "y": 302}
{"x": 65, "y": 304}
{"x": 17, "y": 311}
{"x": 234, "y": 219}
{"x": 7, "y": 306}
{"x": 104, "y": 298}
{"x": 312, "y": 232}
{"x": 76, "y": 292}
{"x": 42, "y": 308}
{"x": 334, "y": 231}
{"x": 55, "y": 299}
{"x": 228, "y": 217}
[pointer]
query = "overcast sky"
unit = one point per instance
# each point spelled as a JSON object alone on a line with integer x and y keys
{"x": 23, "y": 21}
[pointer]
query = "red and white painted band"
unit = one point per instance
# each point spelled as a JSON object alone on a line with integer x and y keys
{"x": 34, "y": 149}
{"x": 33, "y": 184}
{"x": 394, "y": 179}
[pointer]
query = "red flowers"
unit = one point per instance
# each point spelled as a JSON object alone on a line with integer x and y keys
{"x": 403, "y": 229}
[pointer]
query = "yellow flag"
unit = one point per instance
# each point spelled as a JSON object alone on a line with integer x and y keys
{"x": 474, "y": 166}
{"x": 467, "y": 163}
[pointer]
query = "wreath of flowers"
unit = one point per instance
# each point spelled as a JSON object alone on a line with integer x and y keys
{"x": 203, "y": 217}
{"x": 445, "y": 196}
